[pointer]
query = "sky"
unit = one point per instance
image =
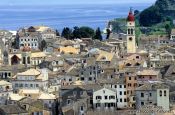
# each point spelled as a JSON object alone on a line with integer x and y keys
{"x": 46, "y": 2}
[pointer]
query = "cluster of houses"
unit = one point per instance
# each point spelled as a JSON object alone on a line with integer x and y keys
{"x": 85, "y": 76}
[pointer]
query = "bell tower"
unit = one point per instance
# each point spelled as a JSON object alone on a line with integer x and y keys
{"x": 131, "y": 39}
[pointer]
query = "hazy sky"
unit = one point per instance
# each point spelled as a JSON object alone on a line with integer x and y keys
{"x": 45, "y": 2}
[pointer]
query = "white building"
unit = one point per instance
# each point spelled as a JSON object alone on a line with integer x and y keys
{"x": 32, "y": 42}
{"x": 120, "y": 88}
{"x": 5, "y": 90}
{"x": 31, "y": 79}
{"x": 104, "y": 99}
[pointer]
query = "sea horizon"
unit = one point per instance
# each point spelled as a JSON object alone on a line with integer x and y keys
{"x": 14, "y": 17}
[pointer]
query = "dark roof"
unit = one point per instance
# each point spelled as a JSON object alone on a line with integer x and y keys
{"x": 11, "y": 109}
{"x": 152, "y": 86}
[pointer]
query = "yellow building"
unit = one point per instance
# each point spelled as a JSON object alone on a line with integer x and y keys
{"x": 68, "y": 50}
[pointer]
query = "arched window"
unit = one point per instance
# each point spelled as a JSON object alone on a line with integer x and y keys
{"x": 129, "y": 31}
{"x": 132, "y": 31}
{"x": 28, "y": 60}
{"x": 98, "y": 97}
{"x": 24, "y": 60}
{"x": 165, "y": 93}
{"x": 160, "y": 93}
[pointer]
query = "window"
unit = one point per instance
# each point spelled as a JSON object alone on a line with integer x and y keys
{"x": 124, "y": 86}
{"x": 120, "y": 92}
{"x": 160, "y": 93}
{"x": 82, "y": 78}
{"x": 129, "y": 84}
{"x": 137, "y": 57}
{"x": 129, "y": 31}
{"x": 142, "y": 94}
{"x": 98, "y": 105}
{"x": 31, "y": 85}
{"x": 142, "y": 103}
{"x": 106, "y": 97}
{"x": 98, "y": 97}
{"x": 129, "y": 78}
{"x": 150, "y": 77}
{"x": 24, "y": 60}
{"x": 111, "y": 97}
{"x": 37, "y": 85}
{"x": 28, "y": 60}
{"x": 115, "y": 86}
{"x": 26, "y": 85}
{"x": 121, "y": 100}
{"x": 90, "y": 73}
{"x": 90, "y": 78}
{"x": 132, "y": 31}
{"x": 120, "y": 86}
{"x": 124, "y": 100}
{"x": 124, "y": 92}
{"x": 68, "y": 101}
{"x": 16, "y": 85}
{"x": 150, "y": 94}
{"x": 81, "y": 108}
{"x": 165, "y": 93}
{"x": 81, "y": 73}
{"x": 70, "y": 79}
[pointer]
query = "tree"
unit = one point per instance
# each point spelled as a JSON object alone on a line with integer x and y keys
{"x": 57, "y": 33}
{"x": 150, "y": 16}
{"x": 76, "y": 32}
{"x": 136, "y": 12}
{"x": 98, "y": 34}
{"x": 168, "y": 28}
{"x": 86, "y": 32}
{"x": 108, "y": 33}
{"x": 43, "y": 45}
{"x": 66, "y": 33}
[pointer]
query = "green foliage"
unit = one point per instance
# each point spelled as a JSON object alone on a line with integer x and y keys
{"x": 136, "y": 12}
{"x": 163, "y": 10}
{"x": 98, "y": 35}
{"x": 86, "y": 32}
{"x": 66, "y": 33}
{"x": 43, "y": 45}
{"x": 150, "y": 16}
{"x": 82, "y": 32}
{"x": 76, "y": 32}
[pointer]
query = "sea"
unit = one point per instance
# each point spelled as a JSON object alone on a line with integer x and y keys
{"x": 13, "y": 17}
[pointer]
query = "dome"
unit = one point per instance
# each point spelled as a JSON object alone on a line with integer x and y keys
{"x": 130, "y": 17}
{"x": 26, "y": 49}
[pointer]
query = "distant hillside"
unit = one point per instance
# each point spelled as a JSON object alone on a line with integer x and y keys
{"x": 160, "y": 11}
